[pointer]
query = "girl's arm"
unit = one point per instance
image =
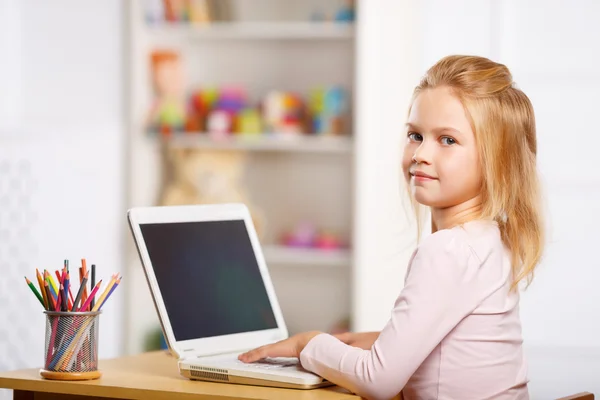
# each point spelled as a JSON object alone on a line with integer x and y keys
{"x": 445, "y": 284}
{"x": 362, "y": 340}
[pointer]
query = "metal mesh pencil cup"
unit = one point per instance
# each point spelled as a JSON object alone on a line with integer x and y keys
{"x": 71, "y": 350}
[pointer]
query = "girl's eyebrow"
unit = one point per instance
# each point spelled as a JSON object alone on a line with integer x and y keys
{"x": 437, "y": 131}
{"x": 411, "y": 126}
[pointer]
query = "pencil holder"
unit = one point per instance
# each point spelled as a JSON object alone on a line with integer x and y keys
{"x": 71, "y": 351}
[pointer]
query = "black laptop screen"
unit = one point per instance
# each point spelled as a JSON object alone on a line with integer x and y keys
{"x": 208, "y": 277}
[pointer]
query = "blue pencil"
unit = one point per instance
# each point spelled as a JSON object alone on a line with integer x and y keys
{"x": 110, "y": 292}
{"x": 52, "y": 291}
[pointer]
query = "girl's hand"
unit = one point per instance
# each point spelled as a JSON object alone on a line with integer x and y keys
{"x": 362, "y": 340}
{"x": 291, "y": 347}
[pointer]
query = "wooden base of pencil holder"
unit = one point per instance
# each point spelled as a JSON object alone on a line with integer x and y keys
{"x": 70, "y": 376}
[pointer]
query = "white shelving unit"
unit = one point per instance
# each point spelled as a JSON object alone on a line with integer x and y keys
{"x": 287, "y": 143}
{"x": 257, "y": 30}
{"x": 292, "y": 179}
{"x": 307, "y": 257}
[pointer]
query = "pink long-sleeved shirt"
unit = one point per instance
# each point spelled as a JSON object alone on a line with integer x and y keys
{"x": 454, "y": 332}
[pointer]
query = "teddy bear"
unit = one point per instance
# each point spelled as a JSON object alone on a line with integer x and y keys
{"x": 203, "y": 176}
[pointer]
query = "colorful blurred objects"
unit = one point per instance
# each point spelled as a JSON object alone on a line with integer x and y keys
{"x": 284, "y": 112}
{"x": 306, "y": 235}
{"x": 227, "y": 110}
{"x": 328, "y": 108}
{"x": 187, "y": 11}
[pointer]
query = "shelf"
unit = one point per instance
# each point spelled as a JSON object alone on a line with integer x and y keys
{"x": 306, "y": 257}
{"x": 265, "y": 142}
{"x": 257, "y": 30}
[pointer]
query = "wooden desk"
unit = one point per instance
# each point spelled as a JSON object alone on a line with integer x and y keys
{"x": 149, "y": 376}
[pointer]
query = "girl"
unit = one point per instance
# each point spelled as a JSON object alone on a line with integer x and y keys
{"x": 454, "y": 331}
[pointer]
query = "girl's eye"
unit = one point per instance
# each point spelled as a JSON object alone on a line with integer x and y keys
{"x": 415, "y": 137}
{"x": 448, "y": 140}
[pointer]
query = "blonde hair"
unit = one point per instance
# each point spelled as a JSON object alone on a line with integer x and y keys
{"x": 503, "y": 121}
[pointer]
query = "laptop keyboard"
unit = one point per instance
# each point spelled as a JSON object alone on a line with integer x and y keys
{"x": 274, "y": 363}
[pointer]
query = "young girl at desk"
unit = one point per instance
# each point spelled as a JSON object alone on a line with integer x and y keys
{"x": 455, "y": 330}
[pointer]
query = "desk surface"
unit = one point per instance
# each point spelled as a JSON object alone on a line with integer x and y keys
{"x": 155, "y": 376}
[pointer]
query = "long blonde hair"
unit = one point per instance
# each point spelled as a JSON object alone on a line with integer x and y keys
{"x": 503, "y": 121}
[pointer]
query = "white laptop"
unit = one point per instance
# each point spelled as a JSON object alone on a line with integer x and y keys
{"x": 213, "y": 293}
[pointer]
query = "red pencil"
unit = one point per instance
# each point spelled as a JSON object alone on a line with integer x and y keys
{"x": 90, "y": 297}
{"x": 84, "y": 295}
{"x": 59, "y": 300}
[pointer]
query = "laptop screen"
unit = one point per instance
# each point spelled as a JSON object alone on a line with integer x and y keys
{"x": 208, "y": 277}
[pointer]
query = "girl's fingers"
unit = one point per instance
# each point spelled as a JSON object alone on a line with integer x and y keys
{"x": 283, "y": 348}
{"x": 259, "y": 353}
{"x": 254, "y": 355}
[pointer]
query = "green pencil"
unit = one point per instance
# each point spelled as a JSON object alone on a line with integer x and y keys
{"x": 34, "y": 290}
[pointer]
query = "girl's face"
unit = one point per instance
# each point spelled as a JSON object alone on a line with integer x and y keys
{"x": 441, "y": 160}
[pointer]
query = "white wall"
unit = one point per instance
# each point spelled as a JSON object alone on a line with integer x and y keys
{"x": 553, "y": 50}
{"x": 61, "y": 160}
{"x": 385, "y": 231}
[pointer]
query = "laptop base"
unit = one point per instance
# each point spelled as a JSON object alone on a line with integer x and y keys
{"x": 227, "y": 378}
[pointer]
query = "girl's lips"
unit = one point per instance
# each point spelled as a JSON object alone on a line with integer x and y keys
{"x": 421, "y": 176}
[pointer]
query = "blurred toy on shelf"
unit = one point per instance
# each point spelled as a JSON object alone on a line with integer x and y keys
{"x": 220, "y": 123}
{"x": 154, "y": 11}
{"x": 327, "y": 108}
{"x": 328, "y": 240}
{"x": 168, "y": 112}
{"x": 249, "y": 122}
{"x": 284, "y": 112}
{"x": 187, "y": 11}
{"x": 303, "y": 235}
{"x": 346, "y": 13}
{"x": 306, "y": 235}
{"x": 200, "y": 103}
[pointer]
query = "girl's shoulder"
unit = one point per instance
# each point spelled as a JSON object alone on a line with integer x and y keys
{"x": 473, "y": 249}
{"x": 478, "y": 237}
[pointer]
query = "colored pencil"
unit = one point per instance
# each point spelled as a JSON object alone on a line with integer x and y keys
{"x": 84, "y": 296}
{"x": 93, "y": 282}
{"x": 68, "y": 292}
{"x": 52, "y": 283}
{"x": 111, "y": 290}
{"x": 110, "y": 285}
{"x": 52, "y": 291}
{"x": 79, "y": 292}
{"x": 51, "y": 302}
{"x": 59, "y": 300}
{"x": 34, "y": 290}
{"x": 90, "y": 297}
{"x": 42, "y": 289}
{"x": 65, "y": 302}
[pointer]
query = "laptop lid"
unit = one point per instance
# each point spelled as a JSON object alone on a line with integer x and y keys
{"x": 208, "y": 278}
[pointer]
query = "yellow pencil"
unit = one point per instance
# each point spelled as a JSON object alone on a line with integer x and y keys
{"x": 105, "y": 293}
{"x": 51, "y": 280}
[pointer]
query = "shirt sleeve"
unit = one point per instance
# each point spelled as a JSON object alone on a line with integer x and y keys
{"x": 444, "y": 285}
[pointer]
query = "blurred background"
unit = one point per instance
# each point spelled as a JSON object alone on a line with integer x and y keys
{"x": 296, "y": 109}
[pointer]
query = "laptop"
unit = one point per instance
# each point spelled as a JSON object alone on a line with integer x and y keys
{"x": 213, "y": 293}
